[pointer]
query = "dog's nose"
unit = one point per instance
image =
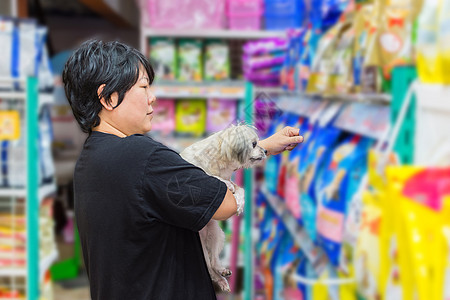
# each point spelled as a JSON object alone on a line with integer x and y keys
{"x": 265, "y": 151}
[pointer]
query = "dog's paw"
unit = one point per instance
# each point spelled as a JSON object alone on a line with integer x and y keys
{"x": 226, "y": 273}
{"x": 239, "y": 195}
{"x": 223, "y": 285}
{"x": 230, "y": 185}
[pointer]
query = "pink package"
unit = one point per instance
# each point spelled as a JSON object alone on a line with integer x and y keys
{"x": 221, "y": 113}
{"x": 164, "y": 116}
{"x": 244, "y": 14}
{"x": 186, "y": 14}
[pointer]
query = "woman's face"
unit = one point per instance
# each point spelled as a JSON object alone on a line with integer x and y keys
{"x": 134, "y": 115}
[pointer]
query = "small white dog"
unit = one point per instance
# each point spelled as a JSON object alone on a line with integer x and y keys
{"x": 220, "y": 155}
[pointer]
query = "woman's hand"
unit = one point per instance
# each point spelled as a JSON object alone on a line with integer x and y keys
{"x": 286, "y": 139}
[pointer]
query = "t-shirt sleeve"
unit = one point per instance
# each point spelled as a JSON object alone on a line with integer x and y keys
{"x": 180, "y": 193}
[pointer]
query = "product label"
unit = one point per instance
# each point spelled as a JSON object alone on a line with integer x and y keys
{"x": 330, "y": 224}
{"x": 9, "y": 125}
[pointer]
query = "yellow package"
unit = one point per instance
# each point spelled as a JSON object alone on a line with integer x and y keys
{"x": 9, "y": 125}
{"x": 429, "y": 66}
{"x": 419, "y": 192}
{"x": 367, "y": 252}
{"x": 444, "y": 272}
{"x": 443, "y": 60}
{"x": 190, "y": 117}
{"x": 322, "y": 291}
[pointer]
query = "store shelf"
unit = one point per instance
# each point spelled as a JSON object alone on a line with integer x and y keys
{"x": 44, "y": 191}
{"x": 13, "y": 95}
{"x": 315, "y": 255}
{"x": 217, "y": 34}
{"x": 232, "y": 90}
{"x": 359, "y": 97}
{"x": 46, "y": 99}
{"x": 44, "y": 265}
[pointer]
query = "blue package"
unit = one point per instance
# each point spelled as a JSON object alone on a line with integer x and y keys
{"x": 334, "y": 194}
{"x": 319, "y": 148}
{"x": 292, "y": 120}
{"x": 285, "y": 260}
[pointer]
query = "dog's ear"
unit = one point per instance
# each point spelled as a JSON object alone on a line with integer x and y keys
{"x": 240, "y": 146}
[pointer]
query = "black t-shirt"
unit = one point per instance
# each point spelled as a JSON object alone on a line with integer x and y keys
{"x": 139, "y": 207}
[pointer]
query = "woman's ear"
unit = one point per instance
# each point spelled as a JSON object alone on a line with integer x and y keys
{"x": 108, "y": 105}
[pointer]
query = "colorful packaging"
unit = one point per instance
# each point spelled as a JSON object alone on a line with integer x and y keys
{"x": 272, "y": 165}
{"x": 320, "y": 149}
{"x": 285, "y": 264}
{"x": 361, "y": 28}
{"x": 221, "y": 113}
{"x": 443, "y": 40}
{"x": 293, "y": 121}
{"x": 347, "y": 163}
{"x": 217, "y": 60}
{"x": 421, "y": 193}
{"x": 164, "y": 116}
{"x": 190, "y": 62}
{"x": 292, "y": 181}
{"x": 367, "y": 252}
{"x": 190, "y": 117}
{"x": 341, "y": 81}
{"x": 6, "y": 51}
{"x": 264, "y": 46}
{"x": 163, "y": 56}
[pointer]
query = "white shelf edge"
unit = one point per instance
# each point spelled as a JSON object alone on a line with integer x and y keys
{"x": 13, "y": 272}
{"x": 15, "y": 192}
{"x": 218, "y": 33}
{"x": 13, "y": 95}
{"x": 46, "y": 263}
{"x": 44, "y": 191}
{"x": 46, "y": 98}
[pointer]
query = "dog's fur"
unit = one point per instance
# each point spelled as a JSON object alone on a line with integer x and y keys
{"x": 220, "y": 155}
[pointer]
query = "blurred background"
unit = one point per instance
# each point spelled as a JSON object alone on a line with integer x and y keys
{"x": 360, "y": 210}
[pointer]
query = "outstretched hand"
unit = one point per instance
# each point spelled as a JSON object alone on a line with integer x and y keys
{"x": 286, "y": 139}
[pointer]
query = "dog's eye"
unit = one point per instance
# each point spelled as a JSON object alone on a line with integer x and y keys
{"x": 254, "y": 144}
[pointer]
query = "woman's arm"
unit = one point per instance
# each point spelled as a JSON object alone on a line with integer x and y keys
{"x": 286, "y": 139}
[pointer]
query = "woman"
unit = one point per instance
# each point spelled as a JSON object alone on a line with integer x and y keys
{"x": 138, "y": 204}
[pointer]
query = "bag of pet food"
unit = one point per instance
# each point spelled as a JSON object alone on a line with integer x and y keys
{"x": 421, "y": 194}
{"x": 190, "y": 117}
{"x": 163, "y": 56}
{"x": 217, "y": 60}
{"x": 221, "y": 113}
{"x": 293, "y": 121}
{"x": 190, "y": 61}
{"x": 286, "y": 261}
{"x": 292, "y": 182}
{"x": 272, "y": 165}
{"x": 341, "y": 79}
{"x": 320, "y": 148}
{"x": 348, "y": 163}
{"x": 268, "y": 251}
{"x": 164, "y": 116}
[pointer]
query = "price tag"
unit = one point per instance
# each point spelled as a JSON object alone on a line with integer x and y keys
{"x": 9, "y": 125}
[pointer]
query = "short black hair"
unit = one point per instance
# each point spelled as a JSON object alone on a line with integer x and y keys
{"x": 95, "y": 63}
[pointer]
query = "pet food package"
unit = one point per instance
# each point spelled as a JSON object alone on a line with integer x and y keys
{"x": 6, "y": 51}
{"x": 190, "y": 117}
{"x": 320, "y": 149}
{"x": 292, "y": 181}
{"x": 293, "y": 121}
{"x": 367, "y": 252}
{"x": 221, "y": 113}
{"x": 422, "y": 195}
{"x": 163, "y": 56}
{"x": 361, "y": 29}
{"x": 190, "y": 61}
{"x": 347, "y": 163}
{"x": 217, "y": 60}
{"x": 429, "y": 68}
{"x": 341, "y": 79}
{"x": 272, "y": 165}
{"x": 285, "y": 265}
{"x": 444, "y": 41}
{"x": 47, "y": 167}
{"x": 164, "y": 116}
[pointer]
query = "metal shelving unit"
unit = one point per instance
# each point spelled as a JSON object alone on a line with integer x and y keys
{"x": 27, "y": 200}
